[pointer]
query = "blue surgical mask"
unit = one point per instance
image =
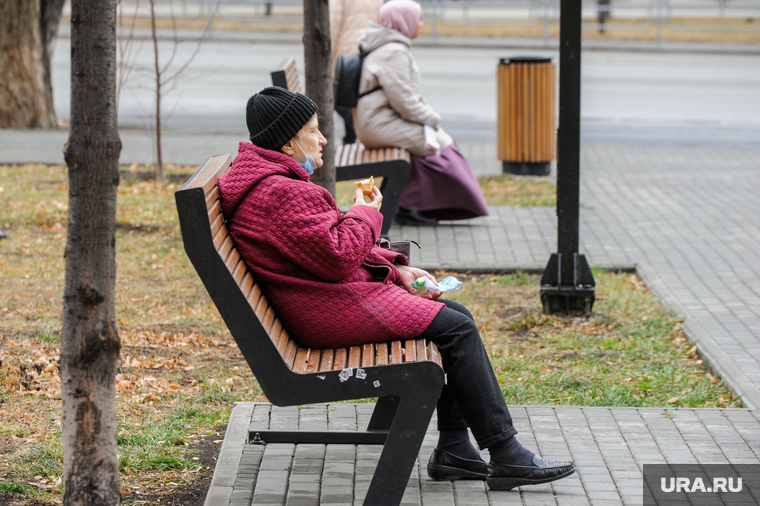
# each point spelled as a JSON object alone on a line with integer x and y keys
{"x": 309, "y": 165}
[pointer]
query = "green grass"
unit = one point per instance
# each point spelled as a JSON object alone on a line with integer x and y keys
{"x": 15, "y": 488}
{"x": 629, "y": 352}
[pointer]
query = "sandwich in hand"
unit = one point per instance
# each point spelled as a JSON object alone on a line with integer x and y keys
{"x": 366, "y": 185}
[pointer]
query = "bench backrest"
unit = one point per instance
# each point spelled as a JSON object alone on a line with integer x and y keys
{"x": 286, "y": 76}
{"x": 259, "y": 333}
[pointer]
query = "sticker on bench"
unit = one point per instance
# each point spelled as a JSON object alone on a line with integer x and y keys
{"x": 321, "y": 376}
{"x": 345, "y": 374}
{"x": 361, "y": 374}
{"x": 377, "y": 383}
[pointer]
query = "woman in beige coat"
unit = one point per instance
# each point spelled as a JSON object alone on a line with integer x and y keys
{"x": 348, "y": 20}
{"x": 391, "y": 112}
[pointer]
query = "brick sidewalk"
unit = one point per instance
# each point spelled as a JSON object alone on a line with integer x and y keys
{"x": 609, "y": 446}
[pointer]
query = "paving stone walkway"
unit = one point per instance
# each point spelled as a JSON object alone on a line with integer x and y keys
{"x": 609, "y": 446}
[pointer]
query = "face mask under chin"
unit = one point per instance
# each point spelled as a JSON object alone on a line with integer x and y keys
{"x": 309, "y": 165}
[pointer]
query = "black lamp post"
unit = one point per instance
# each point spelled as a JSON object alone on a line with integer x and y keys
{"x": 567, "y": 285}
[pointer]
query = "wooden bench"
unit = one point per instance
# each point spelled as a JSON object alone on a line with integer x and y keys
{"x": 354, "y": 161}
{"x": 406, "y": 377}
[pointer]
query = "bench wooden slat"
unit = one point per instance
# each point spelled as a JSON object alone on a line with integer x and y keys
{"x": 410, "y": 352}
{"x": 354, "y": 357}
{"x": 254, "y": 296}
{"x": 340, "y": 360}
{"x": 326, "y": 360}
{"x": 359, "y": 153}
{"x": 340, "y": 155}
{"x": 261, "y": 307}
{"x": 314, "y": 361}
{"x": 240, "y": 270}
{"x": 300, "y": 362}
{"x": 208, "y": 174}
{"x": 368, "y": 355}
{"x": 215, "y": 208}
{"x": 352, "y": 156}
{"x": 290, "y": 353}
{"x": 218, "y": 230}
{"x": 212, "y": 196}
{"x": 396, "y": 356}
{"x": 381, "y": 354}
{"x": 268, "y": 319}
{"x": 233, "y": 257}
{"x": 279, "y": 337}
{"x": 246, "y": 283}
{"x": 346, "y": 158}
{"x": 225, "y": 248}
{"x": 421, "y": 350}
{"x": 434, "y": 354}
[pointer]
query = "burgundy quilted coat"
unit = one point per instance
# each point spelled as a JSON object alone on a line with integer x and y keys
{"x": 328, "y": 282}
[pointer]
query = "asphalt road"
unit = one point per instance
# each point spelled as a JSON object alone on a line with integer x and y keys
{"x": 628, "y": 97}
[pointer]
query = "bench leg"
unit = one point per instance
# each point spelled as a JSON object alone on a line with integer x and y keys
{"x": 395, "y": 174}
{"x": 401, "y": 449}
{"x": 382, "y": 415}
{"x": 392, "y": 188}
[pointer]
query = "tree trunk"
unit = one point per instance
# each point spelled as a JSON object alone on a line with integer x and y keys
{"x": 157, "y": 68}
{"x": 50, "y": 16}
{"x": 89, "y": 340}
{"x": 319, "y": 82}
{"x": 27, "y": 33}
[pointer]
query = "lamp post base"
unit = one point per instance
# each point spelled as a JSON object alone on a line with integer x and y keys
{"x": 575, "y": 293}
{"x": 526, "y": 168}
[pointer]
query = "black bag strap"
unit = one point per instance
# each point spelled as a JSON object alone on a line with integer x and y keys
{"x": 369, "y": 91}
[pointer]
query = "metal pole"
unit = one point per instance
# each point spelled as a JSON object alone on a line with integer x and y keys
{"x": 569, "y": 136}
{"x": 567, "y": 284}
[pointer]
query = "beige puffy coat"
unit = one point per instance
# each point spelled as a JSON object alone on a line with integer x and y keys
{"x": 395, "y": 114}
{"x": 348, "y": 20}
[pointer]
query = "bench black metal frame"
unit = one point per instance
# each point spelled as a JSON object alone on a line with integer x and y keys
{"x": 407, "y": 377}
{"x": 354, "y": 161}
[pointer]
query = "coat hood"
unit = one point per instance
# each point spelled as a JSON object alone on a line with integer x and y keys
{"x": 378, "y": 35}
{"x": 252, "y": 165}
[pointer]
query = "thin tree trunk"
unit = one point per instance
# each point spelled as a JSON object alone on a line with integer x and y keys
{"x": 319, "y": 81}
{"x": 27, "y": 29}
{"x": 50, "y": 16}
{"x": 89, "y": 340}
{"x": 159, "y": 158}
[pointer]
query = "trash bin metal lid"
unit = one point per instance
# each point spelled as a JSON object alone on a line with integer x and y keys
{"x": 525, "y": 60}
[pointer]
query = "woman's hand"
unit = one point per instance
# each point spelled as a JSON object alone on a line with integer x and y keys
{"x": 375, "y": 202}
{"x": 410, "y": 274}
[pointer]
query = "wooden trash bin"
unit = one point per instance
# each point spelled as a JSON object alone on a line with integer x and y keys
{"x": 526, "y": 114}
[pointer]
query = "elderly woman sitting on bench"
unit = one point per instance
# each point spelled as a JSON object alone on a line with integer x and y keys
{"x": 332, "y": 286}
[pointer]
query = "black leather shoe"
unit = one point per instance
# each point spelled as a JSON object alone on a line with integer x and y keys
{"x": 408, "y": 217}
{"x": 505, "y": 477}
{"x": 447, "y": 466}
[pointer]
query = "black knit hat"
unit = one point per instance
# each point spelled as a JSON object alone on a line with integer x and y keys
{"x": 275, "y": 115}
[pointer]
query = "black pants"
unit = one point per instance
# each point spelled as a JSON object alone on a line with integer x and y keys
{"x": 471, "y": 396}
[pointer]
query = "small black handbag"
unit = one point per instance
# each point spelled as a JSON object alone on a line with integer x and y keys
{"x": 403, "y": 247}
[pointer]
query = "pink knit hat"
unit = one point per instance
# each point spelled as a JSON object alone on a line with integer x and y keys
{"x": 400, "y": 15}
